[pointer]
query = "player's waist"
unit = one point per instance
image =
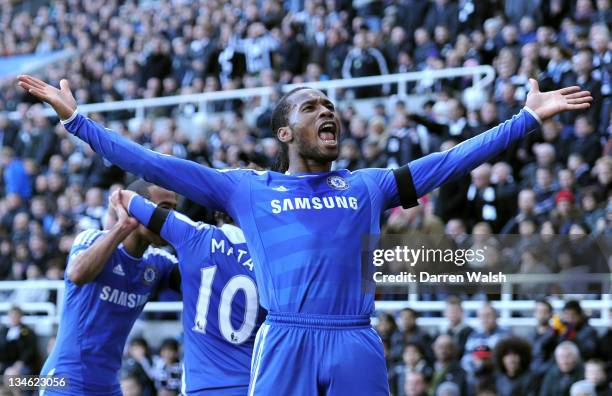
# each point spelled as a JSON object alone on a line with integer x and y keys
{"x": 318, "y": 320}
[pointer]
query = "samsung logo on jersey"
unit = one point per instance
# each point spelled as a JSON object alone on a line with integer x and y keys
{"x": 125, "y": 299}
{"x": 284, "y": 205}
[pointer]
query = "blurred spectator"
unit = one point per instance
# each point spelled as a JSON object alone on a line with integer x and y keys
{"x": 567, "y": 370}
{"x": 583, "y": 388}
{"x": 446, "y": 366}
{"x": 482, "y": 375}
{"x": 565, "y": 214}
{"x": 543, "y": 338}
{"x": 455, "y": 229}
{"x": 606, "y": 348}
{"x": 526, "y": 210}
{"x": 442, "y": 13}
{"x": 483, "y": 199}
{"x": 16, "y": 180}
{"x": 455, "y": 326}
{"x": 531, "y": 263}
{"x": 581, "y": 74}
{"x": 138, "y": 366}
{"x": 386, "y": 327}
{"x": 591, "y": 207}
{"x": 415, "y": 385}
{"x": 167, "y": 369}
{"x": 130, "y": 386}
{"x": 512, "y": 360}
{"x": 487, "y": 335}
{"x": 545, "y": 155}
{"x": 365, "y": 60}
{"x": 585, "y": 141}
{"x": 579, "y": 330}
{"x": 595, "y": 374}
{"x": 337, "y": 49}
{"x": 545, "y": 190}
{"x": 20, "y": 296}
{"x": 411, "y": 333}
{"x": 413, "y": 361}
{"x": 18, "y": 346}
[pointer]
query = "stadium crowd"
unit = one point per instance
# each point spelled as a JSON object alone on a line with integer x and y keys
{"x": 561, "y": 355}
{"x": 557, "y": 181}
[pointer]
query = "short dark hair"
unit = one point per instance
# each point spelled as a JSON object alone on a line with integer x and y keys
{"x": 412, "y": 311}
{"x": 141, "y": 187}
{"x": 169, "y": 343}
{"x": 453, "y": 300}
{"x": 416, "y": 345}
{"x": 573, "y": 305}
{"x": 16, "y": 309}
{"x": 139, "y": 341}
{"x": 545, "y": 302}
{"x": 387, "y": 316}
{"x": 280, "y": 118}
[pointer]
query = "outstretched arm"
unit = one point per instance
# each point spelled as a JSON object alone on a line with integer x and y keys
{"x": 436, "y": 169}
{"x": 206, "y": 186}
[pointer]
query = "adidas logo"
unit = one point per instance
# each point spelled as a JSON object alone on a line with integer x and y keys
{"x": 118, "y": 270}
{"x": 280, "y": 188}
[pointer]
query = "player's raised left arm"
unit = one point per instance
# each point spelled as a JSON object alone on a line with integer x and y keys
{"x": 433, "y": 170}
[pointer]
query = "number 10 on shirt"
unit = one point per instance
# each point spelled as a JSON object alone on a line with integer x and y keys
{"x": 235, "y": 284}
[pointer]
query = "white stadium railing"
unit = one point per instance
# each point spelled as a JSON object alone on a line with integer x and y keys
{"x": 44, "y": 315}
{"x": 481, "y": 77}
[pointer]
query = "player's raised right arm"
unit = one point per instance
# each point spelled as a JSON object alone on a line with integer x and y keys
{"x": 176, "y": 228}
{"x": 204, "y": 185}
{"x": 92, "y": 249}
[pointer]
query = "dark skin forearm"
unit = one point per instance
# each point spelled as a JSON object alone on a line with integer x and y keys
{"x": 88, "y": 264}
{"x": 124, "y": 197}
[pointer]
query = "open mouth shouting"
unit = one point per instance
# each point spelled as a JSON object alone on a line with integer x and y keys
{"x": 328, "y": 133}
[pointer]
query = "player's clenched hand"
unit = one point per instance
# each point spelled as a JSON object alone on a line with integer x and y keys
{"x": 124, "y": 220}
{"x": 61, "y": 100}
{"x": 122, "y": 197}
{"x": 549, "y": 104}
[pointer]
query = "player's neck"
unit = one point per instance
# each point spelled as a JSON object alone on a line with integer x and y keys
{"x": 135, "y": 245}
{"x": 303, "y": 165}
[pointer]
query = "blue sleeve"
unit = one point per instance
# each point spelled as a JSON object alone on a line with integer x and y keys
{"x": 84, "y": 240}
{"x": 435, "y": 169}
{"x": 206, "y": 186}
{"x": 177, "y": 228}
{"x": 165, "y": 264}
{"x": 385, "y": 181}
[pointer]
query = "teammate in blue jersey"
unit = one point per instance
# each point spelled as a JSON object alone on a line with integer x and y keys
{"x": 304, "y": 228}
{"x": 109, "y": 278}
{"x": 221, "y": 312}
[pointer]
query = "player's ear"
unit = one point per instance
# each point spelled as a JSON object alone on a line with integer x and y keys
{"x": 285, "y": 134}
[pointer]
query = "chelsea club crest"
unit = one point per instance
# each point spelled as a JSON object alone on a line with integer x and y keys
{"x": 337, "y": 182}
{"x": 149, "y": 275}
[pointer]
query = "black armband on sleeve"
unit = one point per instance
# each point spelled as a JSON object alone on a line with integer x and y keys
{"x": 405, "y": 187}
{"x": 158, "y": 219}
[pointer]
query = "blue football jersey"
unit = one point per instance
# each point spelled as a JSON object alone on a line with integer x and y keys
{"x": 98, "y": 316}
{"x": 304, "y": 232}
{"x": 221, "y": 312}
